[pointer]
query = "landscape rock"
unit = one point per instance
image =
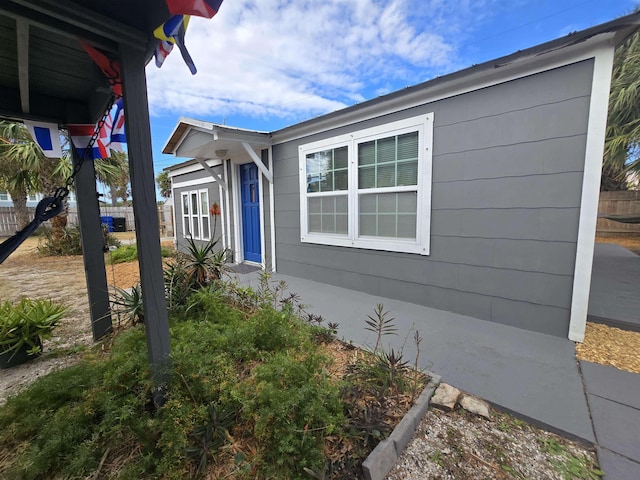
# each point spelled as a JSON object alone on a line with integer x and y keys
{"x": 445, "y": 397}
{"x": 475, "y": 406}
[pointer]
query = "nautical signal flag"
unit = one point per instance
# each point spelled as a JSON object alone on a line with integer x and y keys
{"x": 81, "y": 135}
{"x": 109, "y": 67}
{"x": 169, "y": 33}
{"x": 199, "y": 8}
{"x": 47, "y": 136}
{"x": 118, "y": 136}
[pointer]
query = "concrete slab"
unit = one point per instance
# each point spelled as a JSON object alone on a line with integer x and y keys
{"x": 617, "y": 467}
{"x": 614, "y": 298}
{"x": 521, "y": 371}
{"x": 617, "y": 426}
{"x": 612, "y": 384}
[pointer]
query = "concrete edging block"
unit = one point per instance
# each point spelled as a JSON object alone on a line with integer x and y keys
{"x": 382, "y": 459}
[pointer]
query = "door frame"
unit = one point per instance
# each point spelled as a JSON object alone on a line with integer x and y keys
{"x": 237, "y": 213}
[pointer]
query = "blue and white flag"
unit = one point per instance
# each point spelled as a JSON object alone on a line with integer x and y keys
{"x": 118, "y": 135}
{"x": 47, "y": 136}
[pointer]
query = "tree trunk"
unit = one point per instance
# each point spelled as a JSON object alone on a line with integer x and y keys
{"x": 19, "y": 198}
{"x": 113, "y": 193}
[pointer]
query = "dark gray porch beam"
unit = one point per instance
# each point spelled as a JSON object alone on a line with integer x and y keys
{"x": 78, "y": 17}
{"x": 92, "y": 248}
{"x": 22, "y": 44}
{"x": 143, "y": 192}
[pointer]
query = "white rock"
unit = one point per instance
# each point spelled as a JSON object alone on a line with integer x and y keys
{"x": 475, "y": 406}
{"x": 445, "y": 397}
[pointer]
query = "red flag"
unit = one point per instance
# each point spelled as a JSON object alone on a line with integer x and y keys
{"x": 199, "y": 8}
{"x": 110, "y": 68}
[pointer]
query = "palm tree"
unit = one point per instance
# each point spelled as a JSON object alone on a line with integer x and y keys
{"x": 24, "y": 168}
{"x": 622, "y": 145}
{"x": 20, "y": 162}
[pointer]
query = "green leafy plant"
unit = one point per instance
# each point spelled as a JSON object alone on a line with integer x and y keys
{"x": 27, "y": 323}
{"x": 129, "y": 253}
{"x": 202, "y": 263}
{"x": 128, "y": 303}
{"x": 68, "y": 242}
{"x": 380, "y": 324}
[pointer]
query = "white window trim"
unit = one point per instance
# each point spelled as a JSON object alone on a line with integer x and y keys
{"x": 200, "y": 216}
{"x": 424, "y": 125}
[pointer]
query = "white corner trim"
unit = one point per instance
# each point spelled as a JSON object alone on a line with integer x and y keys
{"x": 263, "y": 254}
{"x": 272, "y": 213}
{"x": 596, "y": 131}
{"x": 228, "y": 204}
{"x": 237, "y": 214}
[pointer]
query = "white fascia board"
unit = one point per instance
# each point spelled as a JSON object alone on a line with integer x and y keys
{"x": 519, "y": 68}
{"x": 596, "y": 132}
{"x": 193, "y": 168}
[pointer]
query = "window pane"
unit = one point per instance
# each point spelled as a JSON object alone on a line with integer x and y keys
{"x": 342, "y": 223}
{"x": 315, "y": 205}
{"x": 387, "y": 203}
{"x": 328, "y": 214}
{"x": 204, "y": 203}
{"x": 408, "y": 146}
{"x": 185, "y": 225}
{"x": 341, "y": 179}
{"x": 313, "y": 183}
{"x": 407, "y": 226}
{"x": 368, "y": 225}
{"x": 340, "y": 157}
{"x": 196, "y": 232}
{"x": 391, "y": 215}
{"x": 327, "y": 170}
{"x": 185, "y": 205}
{"x": 367, "y": 177}
{"x": 386, "y": 176}
{"x": 367, "y": 153}
{"x": 386, "y": 150}
{"x": 315, "y": 223}
{"x": 194, "y": 203}
{"x": 408, "y": 173}
{"x": 407, "y": 202}
{"x": 386, "y": 225}
{"x": 395, "y": 159}
{"x": 205, "y": 227}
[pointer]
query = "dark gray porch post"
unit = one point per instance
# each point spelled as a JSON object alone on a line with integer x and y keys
{"x": 143, "y": 191}
{"x": 92, "y": 247}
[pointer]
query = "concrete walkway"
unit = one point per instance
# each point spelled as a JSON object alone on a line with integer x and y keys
{"x": 533, "y": 375}
{"x": 529, "y": 373}
{"x": 614, "y": 401}
{"x": 615, "y": 287}
{"x": 614, "y": 395}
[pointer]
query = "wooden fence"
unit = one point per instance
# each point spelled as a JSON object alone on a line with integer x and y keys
{"x": 9, "y": 225}
{"x": 618, "y": 203}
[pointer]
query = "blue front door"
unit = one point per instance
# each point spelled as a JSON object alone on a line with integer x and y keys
{"x": 250, "y": 199}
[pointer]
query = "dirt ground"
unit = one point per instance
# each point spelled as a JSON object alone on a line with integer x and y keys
{"x": 62, "y": 278}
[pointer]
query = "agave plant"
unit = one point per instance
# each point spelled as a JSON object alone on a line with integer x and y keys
{"x": 203, "y": 263}
{"x": 24, "y": 325}
{"x": 128, "y": 303}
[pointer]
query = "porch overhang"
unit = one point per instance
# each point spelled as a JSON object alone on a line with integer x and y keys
{"x": 204, "y": 141}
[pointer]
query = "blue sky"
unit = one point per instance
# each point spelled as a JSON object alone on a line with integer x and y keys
{"x": 267, "y": 64}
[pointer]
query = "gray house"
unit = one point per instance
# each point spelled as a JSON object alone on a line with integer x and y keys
{"x": 475, "y": 193}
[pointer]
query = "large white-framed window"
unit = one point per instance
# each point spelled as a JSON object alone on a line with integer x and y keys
{"x": 195, "y": 214}
{"x": 370, "y": 188}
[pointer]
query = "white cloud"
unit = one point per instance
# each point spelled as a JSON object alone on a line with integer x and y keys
{"x": 295, "y": 59}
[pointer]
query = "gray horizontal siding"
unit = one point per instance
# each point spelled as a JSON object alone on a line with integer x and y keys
{"x": 507, "y": 180}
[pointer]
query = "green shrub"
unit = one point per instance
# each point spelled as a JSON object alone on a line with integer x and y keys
{"x": 129, "y": 253}
{"x": 27, "y": 323}
{"x": 69, "y": 243}
{"x": 294, "y": 406}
